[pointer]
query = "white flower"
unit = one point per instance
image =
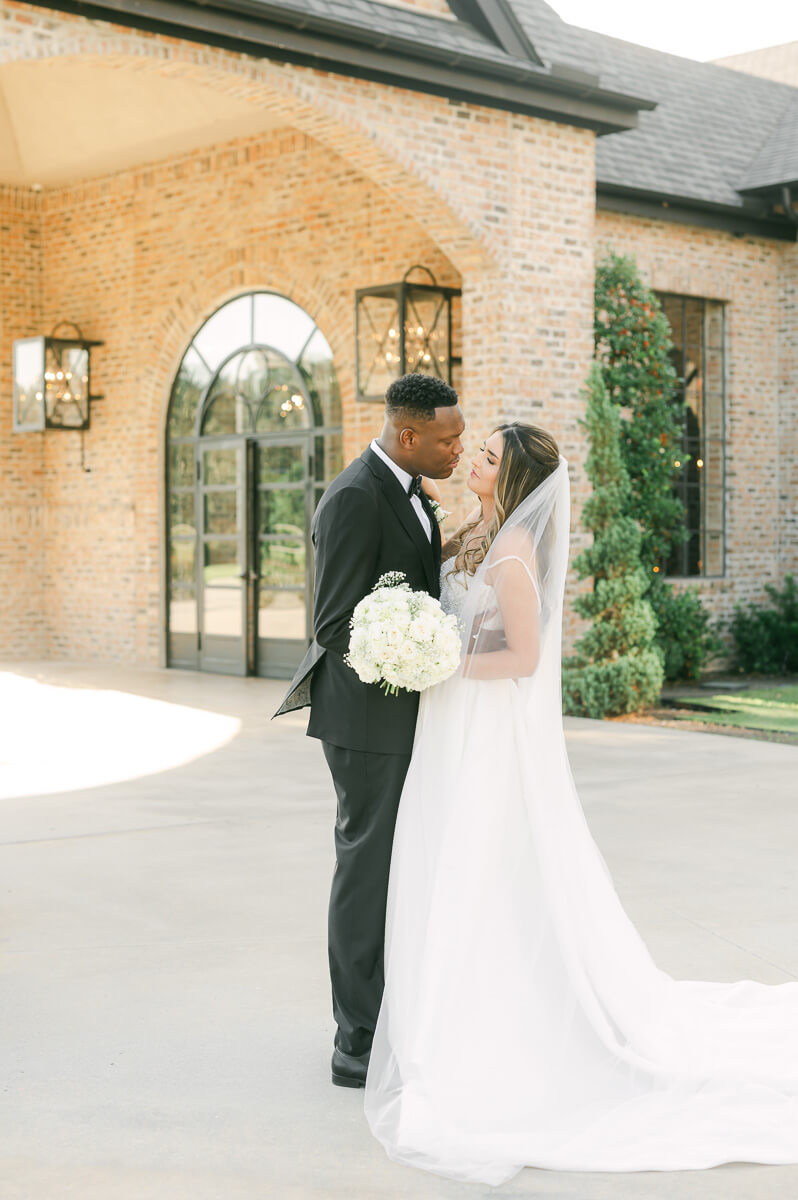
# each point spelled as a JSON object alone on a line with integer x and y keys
{"x": 440, "y": 513}
{"x": 401, "y": 638}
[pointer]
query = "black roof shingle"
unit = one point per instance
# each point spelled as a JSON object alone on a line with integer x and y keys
{"x": 714, "y": 132}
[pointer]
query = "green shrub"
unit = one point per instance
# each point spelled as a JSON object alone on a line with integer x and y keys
{"x": 685, "y": 636}
{"x": 766, "y": 638}
{"x": 616, "y": 668}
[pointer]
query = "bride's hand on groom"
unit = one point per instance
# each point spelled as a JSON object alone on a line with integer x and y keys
{"x": 431, "y": 489}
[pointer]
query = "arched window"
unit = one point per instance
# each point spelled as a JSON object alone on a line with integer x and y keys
{"x": 253, "y": 438}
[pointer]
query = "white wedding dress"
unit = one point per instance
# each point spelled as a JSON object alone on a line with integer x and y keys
{"x": 523, "y": 1020}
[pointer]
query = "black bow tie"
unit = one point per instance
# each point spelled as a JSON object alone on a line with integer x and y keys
{"x": 414, "y": 487}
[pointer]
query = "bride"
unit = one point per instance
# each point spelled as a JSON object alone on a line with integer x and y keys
{"x": 523, "y": 1021}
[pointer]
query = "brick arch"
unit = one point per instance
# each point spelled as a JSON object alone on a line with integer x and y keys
{"x": 353, "y": 118}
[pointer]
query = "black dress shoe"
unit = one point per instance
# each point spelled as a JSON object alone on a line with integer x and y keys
{"x": 349, "y": 1070}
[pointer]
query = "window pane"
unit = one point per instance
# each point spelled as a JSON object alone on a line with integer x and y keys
{"x": 182, "y": 562}
{"x": 282, "y": 614}
{"x": 282, "y": 512}
{"x": 221, "y": 512}
{"x": 192, "y": 379}
{"x": 282, "y": 324}
{"x": 227, "y": 410}
{"x": 282, "y": 563}
{"x": 329, "y": 457}
{"x": 281, "y": 409}
{"x": 221, "y": 466}
{"x": 181, "y": 464}
{"x": 222, "y": 611}
{"x": 222, "y": 565}
{"x": 181, "y": 514}
{"x": 225, "y": 331}
{"x": 281, "y": 464}
{"x": 672, "y": 308}
{"x": 694, "y": 322}
{"x": 252, "y": 376}
{"x": 693, "y": 554}
{"x": 693, "y": 391}
{"x": 697, "y": 327}
{"x": 183, "y": 611}
{"x": 319, "y": 371}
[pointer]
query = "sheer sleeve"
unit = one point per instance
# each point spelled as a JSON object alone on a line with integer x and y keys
{"x": 525, "y": 565}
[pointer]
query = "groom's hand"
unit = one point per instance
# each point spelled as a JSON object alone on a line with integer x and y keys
{"x": 489, "y": 640}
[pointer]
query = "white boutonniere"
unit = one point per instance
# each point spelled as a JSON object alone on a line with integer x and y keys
{"x": 440, "y": 513}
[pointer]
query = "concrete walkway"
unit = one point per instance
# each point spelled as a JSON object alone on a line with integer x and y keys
{"x": 164, "y": 999}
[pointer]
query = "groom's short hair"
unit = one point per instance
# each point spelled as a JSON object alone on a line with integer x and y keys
{"x": 419, "y": 395}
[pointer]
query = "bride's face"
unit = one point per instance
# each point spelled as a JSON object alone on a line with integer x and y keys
{"x": 485, "y": 466}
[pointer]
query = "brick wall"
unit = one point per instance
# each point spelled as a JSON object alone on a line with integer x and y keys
{"x": 22, "y": 502}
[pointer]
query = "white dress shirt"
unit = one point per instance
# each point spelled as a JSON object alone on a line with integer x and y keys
{"x": 405, "y": 479}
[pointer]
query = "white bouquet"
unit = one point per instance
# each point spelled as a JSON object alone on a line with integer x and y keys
{"x": 401, "y": 638}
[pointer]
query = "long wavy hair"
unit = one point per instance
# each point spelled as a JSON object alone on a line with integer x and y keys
{"x": 529, "y": 455}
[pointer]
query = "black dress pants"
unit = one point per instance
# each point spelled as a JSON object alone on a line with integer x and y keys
{"x": 368, "y": 787}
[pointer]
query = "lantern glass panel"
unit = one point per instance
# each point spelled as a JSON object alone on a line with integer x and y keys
{"x": 29, "y": 383}
{"x": 378, "y": 345}
{"x": 67, "y": 385}
{"x": 427, "y": 332}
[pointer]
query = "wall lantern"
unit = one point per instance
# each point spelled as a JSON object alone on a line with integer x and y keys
{"x": 402, "y": 327}
{"x": 52, "y": 381}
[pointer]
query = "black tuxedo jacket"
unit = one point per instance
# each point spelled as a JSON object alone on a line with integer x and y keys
{"x": 364, "y": 526}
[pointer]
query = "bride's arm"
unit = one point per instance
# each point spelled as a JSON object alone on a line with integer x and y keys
{"x": 518, "y": 603}
{"x": 431, "y": 489}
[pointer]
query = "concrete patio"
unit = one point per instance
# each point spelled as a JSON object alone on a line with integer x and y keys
{"x": 164, "y": 998}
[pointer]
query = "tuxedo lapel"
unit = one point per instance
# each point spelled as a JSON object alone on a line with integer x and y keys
{"x": 399, "y": 500}
{"x": 436, "y": 537}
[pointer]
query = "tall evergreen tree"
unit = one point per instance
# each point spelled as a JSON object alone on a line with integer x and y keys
{"x": 633, "y": 345}
{"x": 616, "y": 668}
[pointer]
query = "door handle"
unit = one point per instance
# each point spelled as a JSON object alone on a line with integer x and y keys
{"x": 250, "y": 576}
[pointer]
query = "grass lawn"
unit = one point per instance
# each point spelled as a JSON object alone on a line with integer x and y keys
{"x": 766, "y": 708}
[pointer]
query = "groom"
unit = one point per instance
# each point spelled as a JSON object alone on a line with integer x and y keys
{"x": 372, "y": 519}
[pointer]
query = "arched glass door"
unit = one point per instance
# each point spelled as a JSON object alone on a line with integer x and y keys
{"x": 254, "y": 437}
